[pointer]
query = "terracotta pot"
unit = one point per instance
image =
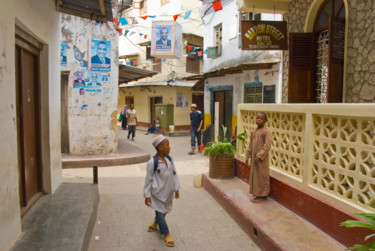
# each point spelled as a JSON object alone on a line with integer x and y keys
{"x": 221, "y": 167}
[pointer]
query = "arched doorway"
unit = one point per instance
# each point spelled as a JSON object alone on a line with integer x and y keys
{"x": 316, "y": 59}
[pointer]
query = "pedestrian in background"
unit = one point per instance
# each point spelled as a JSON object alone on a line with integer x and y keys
{"x": 131, "y": 116}
{"x": 124, "y": 119}
{"x": 161, "y": 185}
{"x": 257, "y": 152}
{"x": 196, "y": 119}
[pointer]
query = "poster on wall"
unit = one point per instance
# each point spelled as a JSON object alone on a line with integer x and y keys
{"x": 166, "y": 39}
{"x": 108, "y": 93}
{"x": 105, "y": 78}
{"x": 63, "y": 58}
{"x": 100, "y": 55}
{"x": 79, "y": 79}
{"x": 95, "y": 80}
{"x": 180, "y": 100}
{"x": 79, "y": 57}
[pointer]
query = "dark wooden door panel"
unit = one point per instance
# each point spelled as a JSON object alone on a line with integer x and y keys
{"x": 29, "y": 122}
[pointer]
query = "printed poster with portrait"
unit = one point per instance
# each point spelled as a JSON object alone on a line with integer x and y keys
{"x": 166, "y": 39}
{"x": 100, "y": 55}
{"x": 63, "y": 58}
{"x": 80, "y": 79}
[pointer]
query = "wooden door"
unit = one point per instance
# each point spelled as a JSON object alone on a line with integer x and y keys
{"x": 27, "y": 76}
{"x": 225, "y": 108}
{"x": 64, "y": 113}
{"x": 153, "y": 102}
{"x": 198, "y": 99}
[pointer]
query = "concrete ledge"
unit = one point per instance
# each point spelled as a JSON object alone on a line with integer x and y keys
{"x": 317, "y": 210}
{"x": 269, "y": 224}
{"x": 176, "y": 133}
{"x": 69, "y": 161}
{"x": 63, "y": 220}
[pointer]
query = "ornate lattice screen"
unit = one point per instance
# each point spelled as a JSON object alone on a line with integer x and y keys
{"x": 330, "y": 148}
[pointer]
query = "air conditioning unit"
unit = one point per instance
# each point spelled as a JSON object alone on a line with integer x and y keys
{"x": 214, "y": 52}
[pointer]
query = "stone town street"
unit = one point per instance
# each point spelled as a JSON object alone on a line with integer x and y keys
{"x": 197, "y": 221}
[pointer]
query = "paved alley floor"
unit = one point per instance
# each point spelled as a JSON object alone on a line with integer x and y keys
{"x": 197, "y": 221}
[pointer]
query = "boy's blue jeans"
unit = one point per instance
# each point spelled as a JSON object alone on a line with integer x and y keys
{"x": 160, "y": 219}
{"x": 194, "y": 134}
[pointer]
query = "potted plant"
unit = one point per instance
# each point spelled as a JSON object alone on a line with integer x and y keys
{"x": 221, "y": 154}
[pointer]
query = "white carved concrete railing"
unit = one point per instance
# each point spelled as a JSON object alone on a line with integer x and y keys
{"x": 330, "y": 147}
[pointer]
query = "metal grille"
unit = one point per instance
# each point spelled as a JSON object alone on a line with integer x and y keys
{"x": 322, "y": 67}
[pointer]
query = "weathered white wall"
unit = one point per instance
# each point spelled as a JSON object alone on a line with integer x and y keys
{"x": 92, "y": 116}
{"x": 231, "y": 54}
{"x": 238, "y": 81}
{"x": 41, "y": 20}
{"x": 142, "y": 97}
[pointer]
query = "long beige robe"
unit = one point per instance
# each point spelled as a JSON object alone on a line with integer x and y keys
{"x": 260, "y": 145}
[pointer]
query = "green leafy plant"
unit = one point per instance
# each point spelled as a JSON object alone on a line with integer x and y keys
{"x": 370, "y": 219}
{"x": 223, "y": 146}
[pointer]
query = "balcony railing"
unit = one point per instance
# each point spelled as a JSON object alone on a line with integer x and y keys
{"x": 329, "y": 148}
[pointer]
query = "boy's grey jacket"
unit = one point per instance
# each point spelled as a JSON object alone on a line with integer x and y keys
{"x": 160, "y": 186}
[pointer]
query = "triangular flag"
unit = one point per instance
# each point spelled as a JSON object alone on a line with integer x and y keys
{"x": 155, "y": 59}
{"x": 141, "y": 34}
{"x": 217, "y": 5}
{"x": 115, "y": 20}
{"x": 187, "y": 14}
{"x": 144, "y": 67}
{"x": 175, "y": 17}
{"x": 144, "y": 17}
{"x": 190, "y": 47}
{"x": 126, "y": 32}
{"x": 193, "y": 53}
{"x": 200, "y": 53}
{"x": 151, "y": 16}
{"x": 195, "y": 48}
{"x": 120, "y": 29}
{"x": 123, "y": 21}
{"x": 145, "y": 36}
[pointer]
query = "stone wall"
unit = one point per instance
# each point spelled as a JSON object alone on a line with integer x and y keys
{"x": 360, "y": 60}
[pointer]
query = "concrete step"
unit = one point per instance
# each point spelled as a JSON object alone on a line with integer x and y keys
{"x": 269, "y": 224}
{"x": 63, "y": 220}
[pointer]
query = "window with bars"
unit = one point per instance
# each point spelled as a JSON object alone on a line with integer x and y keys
{"x": 253, "y": 92}
{"x": 156, "y": 65}
{"x": 193, "y": 60}
{"x": 218, "y": 34}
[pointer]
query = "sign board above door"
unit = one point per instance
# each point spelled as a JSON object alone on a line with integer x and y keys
{"x": 264, "y": 35}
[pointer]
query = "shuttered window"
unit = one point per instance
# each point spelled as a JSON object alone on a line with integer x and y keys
{"x": 253, "y": 92}
{"x": 316, "y": 59}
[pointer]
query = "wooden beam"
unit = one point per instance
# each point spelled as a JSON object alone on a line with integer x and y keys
{"x": 102, "y": 7}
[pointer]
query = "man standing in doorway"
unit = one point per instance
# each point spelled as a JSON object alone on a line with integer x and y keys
{"x": 196, "y": 119}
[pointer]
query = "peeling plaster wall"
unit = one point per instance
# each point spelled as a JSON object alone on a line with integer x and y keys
{"x": 40, "y": 19}
{"x": 92, "y": 115}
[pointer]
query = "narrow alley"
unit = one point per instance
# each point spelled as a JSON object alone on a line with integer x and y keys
{"x": 197, "y": 221}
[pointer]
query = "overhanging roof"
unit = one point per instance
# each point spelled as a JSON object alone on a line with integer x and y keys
{"x": 128, "y": 73}
{"x": 199, "y": 85}
{"x": 165, "y": 83}
{"x": 98, "y": 10}
{"x": 264, "y": 6}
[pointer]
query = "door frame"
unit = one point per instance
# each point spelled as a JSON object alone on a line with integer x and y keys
{"x": 25, "y": 41}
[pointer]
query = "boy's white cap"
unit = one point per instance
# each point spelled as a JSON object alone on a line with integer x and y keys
{"x": 158, "y": 140}
{"x": 194, "y": 105}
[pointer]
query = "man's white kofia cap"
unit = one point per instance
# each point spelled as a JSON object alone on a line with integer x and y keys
{"x": 158, "y": 140}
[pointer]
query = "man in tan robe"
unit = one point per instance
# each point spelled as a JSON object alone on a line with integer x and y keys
{"x": 257, "y": 152}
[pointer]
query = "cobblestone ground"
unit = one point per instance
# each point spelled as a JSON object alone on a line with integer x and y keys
{"x": 197, "y": 221}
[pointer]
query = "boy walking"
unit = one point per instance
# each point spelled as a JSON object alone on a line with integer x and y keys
{"x": 161, "y": 185}
{"x": 196, "y": 118}
{"x": 257, "y": 152}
